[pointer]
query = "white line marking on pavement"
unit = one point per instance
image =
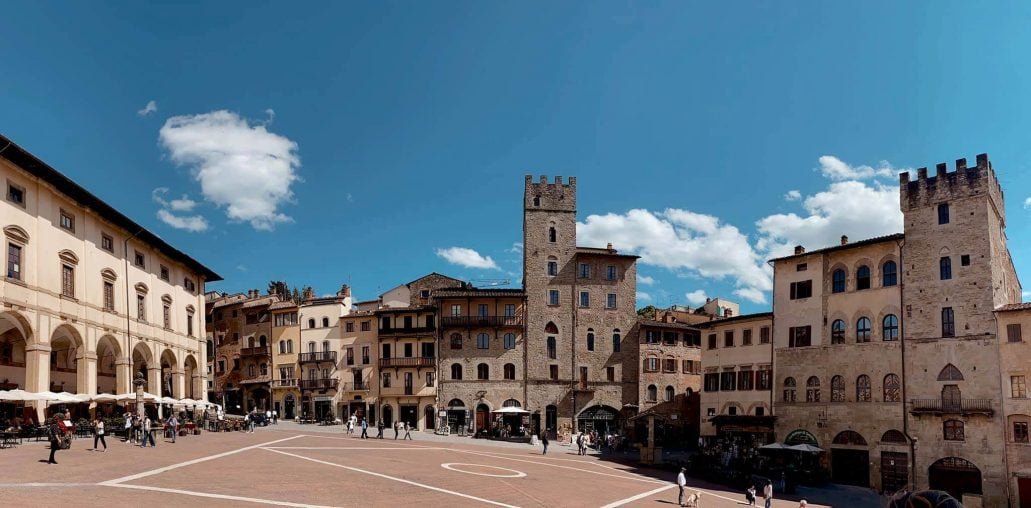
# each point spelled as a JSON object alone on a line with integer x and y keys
{"x": 402, "y": 480}
{"x": 39, "y": 484}
{"x": 347, "y": 448}
{"x": 638, "y": 497}
{"x": 215, "y": 496}
{"x": 160, "y": 470}
{"x": 622, "y": 477}
{"x": 450, "y": 466}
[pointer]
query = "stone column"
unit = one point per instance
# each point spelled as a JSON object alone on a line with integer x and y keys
{"x": 154, "y": 385}
{"x": 86, "y": 372}
{"x": 123, "y": 375}
{"x": 178, "y": 383}
{"x": 37, "y": 374}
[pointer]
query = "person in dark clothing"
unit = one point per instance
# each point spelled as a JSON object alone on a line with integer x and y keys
{"x": 365, "y": 429}
{"x": 55, "y": 437}
{"x": 379, "y": 429}
{"x": 544, "y": 441}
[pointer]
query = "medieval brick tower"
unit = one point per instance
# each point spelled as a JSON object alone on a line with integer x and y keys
{"x": 956, "y": 269}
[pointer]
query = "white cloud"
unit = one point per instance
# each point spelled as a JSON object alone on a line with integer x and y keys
{"x": 151, "y": 107}
{"x": 468, "y": 258}
{"x": 792, "y": 195}
{"x": 646, "y": 280}
{"x": 192, "y": 223}
{"x": 696, "y": 297}
{"x": 1027, "y": 203}
{"x": 183, "y": 204}
{"x": 836, "y": 169}
{"x": 752, "y": 295}
{"x": 517, "y": 248}
{"x": 643, "y": 297}
{"x": 241, "y": 167}
{"x": 242, "y": 268}
{"x": 349, "y": 198}
{"x": 682, "y": 241}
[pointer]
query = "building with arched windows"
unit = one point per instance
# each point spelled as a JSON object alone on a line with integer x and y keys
{"x": 89, "y": 296}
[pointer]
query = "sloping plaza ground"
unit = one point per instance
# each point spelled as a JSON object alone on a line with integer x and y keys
{"x": 291, "y": 465}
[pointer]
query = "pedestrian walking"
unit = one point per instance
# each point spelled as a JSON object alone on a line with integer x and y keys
{"x": 275, "y": 417}
{"x": 396, "y": 427}
{"x": 750, "y": 495}
{"x": 173, "y": 426}
{"x": 365, "y": 429}
{"x": 544, "y": 441}
{"x": 128, "y": 428}
{"x": 351, "y": 424}
{"x": 54, "y": 433}
{"x": 681, "y": 483}
{"x": 408, "y": 432}
{"x": 379, "y": 429}
{"x": 148, "y": 436}
{"x": 768, "y": 493}
{"x": 98, "y": 433}
{"x": 803, "y": 504}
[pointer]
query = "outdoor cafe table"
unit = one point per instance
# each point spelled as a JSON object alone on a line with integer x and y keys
{"x": 8, "y": 439}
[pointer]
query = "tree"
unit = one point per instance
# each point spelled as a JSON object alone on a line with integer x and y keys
{"x": 647, "y": 312}
{"x": 279, "y": 288}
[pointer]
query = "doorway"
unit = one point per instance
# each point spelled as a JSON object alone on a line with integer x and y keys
{"x": 851, "y": 467}
{"x": 482, "y": 415}
{"x": 894, "y": 471}
{"x": 955, "y": 476}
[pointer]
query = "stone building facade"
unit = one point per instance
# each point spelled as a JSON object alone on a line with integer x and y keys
{"x": 89, "y": 296}
{"x": 408, "y": 366}
{"x": 1015, "y": 367}
{"x": 240, "y": 325}
{"x": 286, "y": 345}
{"x": 482, "y": 357}
{"x": 670, "y": 375}
{"x": 359, "y": 388}
{"x": 582, "y": 363}
{"x": 321, "y": 351}
{"x": 739, "y": 350}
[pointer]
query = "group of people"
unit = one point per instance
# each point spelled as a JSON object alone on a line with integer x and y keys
{"x": 399, "y": 428}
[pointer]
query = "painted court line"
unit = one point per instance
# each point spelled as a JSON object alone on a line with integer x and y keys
{"x": 402, "y": 480}
{"x": 39, "y": 484}
{"x": 215, "y": 496}
{"x": 621, "y": 477}
{"x": 160, "y": 470}
{"x": 347, "y": 448}
{"x": 638, "y": 497}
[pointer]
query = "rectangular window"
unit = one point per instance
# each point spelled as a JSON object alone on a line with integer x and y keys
{"x": 728, "y": 338}
{"x": 610, "y": 301}
{"x": 669, "y": 365}
{"x": 800, "y": 336}
{"x": 141, "y": 307}
{"x": 553, "y": 297}
{"x": 552, "y": 348}
{"x": 801, "y": 267}
{"x": 456, "y": 310}
{"x": 429, "y": 378}
{"x": 948, "y": 322}
{"x": 1020, "y": 432}
{"x": 763, "y": 379}
{"x": 553, "y": 371}
{"x": 407, "y": 322}
{"x": 687, "y": 366}
{"x": 109, "y": 296}
{"x": 164, "y": 273}
{"x": 221, "y": 365}
{"x": 1013, "y": 332}
{"x": 651, "y": 337}
{"x": 669, "y": 338}
{"x": 712, "y": 382}
{"x": 610, "y": 374}
{"x": 964, "y": 260}
{"x": 16, "y": 194}
{"x": 408, "y": 350}
{"x": 745, "y": 380}
{"x": 746, "y": 337}
{"x": 386, "y": 380}
{"x": 727, "y": 381}
{"x": 712, "y": 341}
{"x": 585, "y": 299}
{"x": 139, "y": 260}
{"x": 67, "y": 221}
{"x": 189, "y": 324}
{"x": 943, "y": 213}
{"x": 482, "y": 310}
{"x": 366, "y": 326}
{"x": 802, "y": 289}
{"x": 13, "y": 261}
{"x": 107, "y": 243}
{"x": 365, "y": 355}
{"x": 552, "y": 268}
{"x": 189, "y": 285}
{"x": 349, "y": 355}
{"x": 945, "y": 268}
{"x": 1018, "y": 390}
{"x": 166, "y": 316}
{"x": 67, "y": 281}
{"x": 610, "y": 273}
{"x": 651, "y": 364}
{"x": 692, "y": 338}
{"x": 509, "y": 310}
{"x": 585, "y": 271}
{"x": 349, "y": 327}
{"x": 764, "y": 335}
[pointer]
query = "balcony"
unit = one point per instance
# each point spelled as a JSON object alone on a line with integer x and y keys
{"x": 952, "y": 406}
{"x": 319, "y": 356}
{"x": 355, "y": 387}
{"x": 284, "y": 383}
{"x": 482, "y": 321}
{"x": 319, "y": 384}
{"x": 255, "y": 351}
{"x": 408, "y": 362}
{"x": 411, "y": 330}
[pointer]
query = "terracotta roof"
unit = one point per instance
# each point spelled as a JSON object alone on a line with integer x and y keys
{"x": 36, "y": 167}
{"x": 661, "y": 324}
{"x": 850, "y": 245}
{"x": 603, "y": 252}
{"x": 413, "y": 308}
{"x": 476, "y": 292}
{"x": 1014, "y": 306}
{"x": 742, "y": 317}
{"x": 289, "y": 304}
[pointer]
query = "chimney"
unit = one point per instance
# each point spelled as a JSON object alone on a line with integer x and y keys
{"x": 799, "y": 250}
{"x": 609, "y": 247}
{"x": 844, "y": 239}
{"x": 345, "y": 291}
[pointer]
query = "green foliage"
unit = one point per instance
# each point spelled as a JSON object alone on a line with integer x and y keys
{"x": 647, "y": 312}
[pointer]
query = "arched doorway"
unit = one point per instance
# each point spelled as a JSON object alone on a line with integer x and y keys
{"x": 482, "y": 417}
{"x": 388, "y": 415}
{"x": 108, "y": 353}
{"x": 288, "y": 406}
{"x": 193, "y": 390}
{"x": 456, "y": 416}
{"x": 168, "y": 372}
{"x": 431, "y": 417}
{"x": 14, "y": 337}
{"x": 850, "y": 459}
{"x": 142, "y": 358}
{"x": 65, "y": 353}
{"x": 603, "y": 419}
{"x": 956, "y": 476}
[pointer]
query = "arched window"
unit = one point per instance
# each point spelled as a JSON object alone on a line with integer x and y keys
{"x": 838, "y": 332}
{"x": 616, "y": 341}
{"x": 863, "y": 388}
{"x": 510, "y": 341}
{"x": 311, "y": 323}
{"x": 812, "y": 389}
{"x": 483, "y": 341}
{"x": 863, "y": 278}
{"x": 262, "y": 341}
{"x": 950, "y": 373}
{"x": 311, "y": 347}
{"x": 511, "y": 403}
{"x": 890, "y": 328}
{"x": 863, "y": 329}
{"x": 483, "y": 371}
{"x": 892, "y": 388}
{"x": 509, "y": 371}
{"x": 264, "y": 369}
{"x": 889, "y": 274}
{"x": 250, "y": 370}
{"x": 552, "y": 352}
{"x": 325, "y": 346}
{"x": 456, "y": 371}
{"x": 325, "y": 322}
{"x": 456, "y": 341}
{"x": 250, "y": 342}
{"x": 289, "y": 346}
{"x": 552, "y": 235}
{"x": 849, "y": 437}
{"x": 953, "y": 430}
{"x": 653, "y": 393}
{"x": 590, "y": 339}
{"x": 893, "y": 436}
{"x": 670, "y": 392}
{"x": 282, "y": 347}
{"x": 838, "y": 277}
{"x": 837, "y": 389}
{"x": 789, "y": 389}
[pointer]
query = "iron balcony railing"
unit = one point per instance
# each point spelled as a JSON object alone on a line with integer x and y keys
{"x": 952, "y": 406}
{"x": 255, "y": 351}
{"x": 284, "y": 383}
{"x": 407, "y": 330}
{"x": 355, "y": 387}
{"x": 408, "y": 362}
{"x": 319, "y": 384}
{"x": 474, "y": 321}
{"x": 319, "y": 356}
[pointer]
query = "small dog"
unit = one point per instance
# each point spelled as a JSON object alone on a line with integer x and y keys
{"x": 693, "y": 500}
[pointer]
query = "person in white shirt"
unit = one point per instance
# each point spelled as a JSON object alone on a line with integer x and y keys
{"x": 98, "y": 433}
{"x": 128, "y": 428}
{"x": 681, "y": 483}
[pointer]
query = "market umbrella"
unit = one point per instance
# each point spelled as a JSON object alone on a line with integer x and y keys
{"x": 104, "y": 397}
{"x": 775, "y": 446}
{"x": 806, "y": 447}
{"x": 19, "y": 395}
{"x": 510, "y": 410}
{"x": 169, "y": 400}
{"x": 131, "y": 397}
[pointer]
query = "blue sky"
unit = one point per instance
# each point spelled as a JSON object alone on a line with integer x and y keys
{"x": 355, "y": 142}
